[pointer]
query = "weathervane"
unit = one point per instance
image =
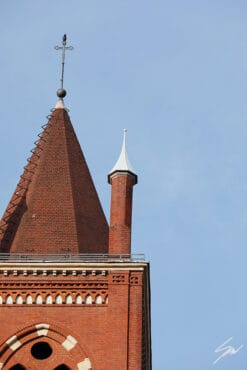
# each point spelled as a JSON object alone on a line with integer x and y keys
{"x": 61, "y": 93}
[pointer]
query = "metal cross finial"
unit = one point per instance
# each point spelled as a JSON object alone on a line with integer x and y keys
{"x": 62, "y": 92}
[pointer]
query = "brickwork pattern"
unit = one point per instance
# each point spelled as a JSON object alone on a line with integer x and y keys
{"x": 121, "y": 213}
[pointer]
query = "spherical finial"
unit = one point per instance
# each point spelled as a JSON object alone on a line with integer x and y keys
{"x": 61, "y": 93}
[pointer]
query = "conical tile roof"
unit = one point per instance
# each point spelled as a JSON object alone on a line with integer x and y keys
{"x": 55, "y": 207}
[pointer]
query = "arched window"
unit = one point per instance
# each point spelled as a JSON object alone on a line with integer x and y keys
{"x": 17, "y": 367}
{"x": 69, "y": 299}
{"x": 9, "y": 299}
{"x": 62, "y": 367}
{"x": 48, "y": 299}
{"x": 19, "y": 299}
{"x": 98, "y": 299}
{"x": 39, "y": 299}
{"x": 59, "y": 299}
{"x": 88, "y": 299}
{"x": 78, "y": 299}
{"x": 29, "y": 299}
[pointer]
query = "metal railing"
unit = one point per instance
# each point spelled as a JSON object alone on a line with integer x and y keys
{"x": 67, "y": 257}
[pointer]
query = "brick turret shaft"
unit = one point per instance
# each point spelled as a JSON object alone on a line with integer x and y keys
{"x": 122, "y": 179}
{"x": 121, "y": 212}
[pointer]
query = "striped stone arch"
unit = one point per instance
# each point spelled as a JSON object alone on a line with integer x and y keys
{"x": 51, "y": 332}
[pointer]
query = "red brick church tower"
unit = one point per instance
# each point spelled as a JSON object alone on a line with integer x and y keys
{"x": 72, "y": 296}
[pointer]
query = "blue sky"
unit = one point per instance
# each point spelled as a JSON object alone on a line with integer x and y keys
{"x": 174, "y": 74}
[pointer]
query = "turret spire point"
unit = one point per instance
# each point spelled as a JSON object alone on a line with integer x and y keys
{"x": 123, "y": 164}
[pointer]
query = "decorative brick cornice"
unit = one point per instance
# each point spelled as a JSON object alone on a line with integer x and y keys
{"x": 53, "y": 297}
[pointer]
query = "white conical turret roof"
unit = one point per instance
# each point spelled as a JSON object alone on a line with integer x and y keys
{"x": 123, "y": 164}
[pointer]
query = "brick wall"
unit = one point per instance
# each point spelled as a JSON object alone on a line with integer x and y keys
{"x": 109, "y": 334}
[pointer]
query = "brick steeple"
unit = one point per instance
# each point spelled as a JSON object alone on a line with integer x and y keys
{"x": 59, "y": 312}
{"x": 55, "y": 207}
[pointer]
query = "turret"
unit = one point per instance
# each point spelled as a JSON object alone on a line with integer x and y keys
{"x": 122, "y": 179}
